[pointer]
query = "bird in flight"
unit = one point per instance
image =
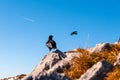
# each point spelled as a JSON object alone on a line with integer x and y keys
{"x": 51, "y": 44}
{"x": 73, "y": 33}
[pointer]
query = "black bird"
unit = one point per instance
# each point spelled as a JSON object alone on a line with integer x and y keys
{"x": 51, "y": 44}
{"x": 74, "y": 33}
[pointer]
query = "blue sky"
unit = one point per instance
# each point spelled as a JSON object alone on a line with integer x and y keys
{"x": 26, "y": 24}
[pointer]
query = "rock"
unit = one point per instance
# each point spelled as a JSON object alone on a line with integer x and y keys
{"x": 100, "y": 47}
{"x": 71, "y": 55}
{"x": 97, "y": 71}
{"x": 52, "y": 67}
{"x": 117, "y": 63}
{"x": 18, "y": 77}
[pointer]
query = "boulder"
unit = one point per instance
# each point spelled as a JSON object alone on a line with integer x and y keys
{"x": 100, "y": 47}
{"x": 97, "y": 71}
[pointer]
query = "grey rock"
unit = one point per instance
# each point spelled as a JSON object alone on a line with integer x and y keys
{"x": 100, "y": 47}
{"x": 52, "y": 66}
{"x": 97, "y": 71}
{"x": 18, "y": 77}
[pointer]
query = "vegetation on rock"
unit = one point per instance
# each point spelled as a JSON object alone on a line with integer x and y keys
{"x": 87, "y": 60}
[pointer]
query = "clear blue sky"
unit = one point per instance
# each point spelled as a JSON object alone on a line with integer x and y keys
{"x": 26, "y": 24}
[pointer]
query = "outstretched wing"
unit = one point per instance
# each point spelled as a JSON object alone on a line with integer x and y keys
{"x": 73, "y": 33}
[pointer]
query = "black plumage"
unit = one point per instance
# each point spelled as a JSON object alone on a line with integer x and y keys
{"x": 74, "y": 33}
{"x": 51, "y": 44}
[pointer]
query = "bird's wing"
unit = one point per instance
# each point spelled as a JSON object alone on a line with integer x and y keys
{"x": 53, "y": 44}
{"x": 74, "y": 33}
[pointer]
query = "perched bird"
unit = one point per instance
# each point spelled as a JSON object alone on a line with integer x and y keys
{"x": 74, "y": 33}
{"x": 51, "y": 44}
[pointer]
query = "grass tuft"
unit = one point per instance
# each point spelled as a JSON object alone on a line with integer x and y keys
{"x": 87, "y": 60}
{"x": 114, "y": 75}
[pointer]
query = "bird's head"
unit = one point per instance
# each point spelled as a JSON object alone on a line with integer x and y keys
{"x": 50, "y": 36}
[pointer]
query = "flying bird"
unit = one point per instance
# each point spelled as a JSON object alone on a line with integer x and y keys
{"x": 51, "y": 44}
{"x": 74, "y": 33}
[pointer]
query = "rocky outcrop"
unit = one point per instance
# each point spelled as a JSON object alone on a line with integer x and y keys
{"x": 97, "y": 71}
{"x": 100, "y": 47}
{"x": 18, "y": 77}
{"x": 52, "y": 66}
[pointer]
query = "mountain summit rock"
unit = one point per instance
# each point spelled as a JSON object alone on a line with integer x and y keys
{"x": 57, "y": 64}
{"x": 52, "y": 66}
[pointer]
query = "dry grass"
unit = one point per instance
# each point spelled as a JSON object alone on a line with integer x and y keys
{"x": 86, "y": 60}
{"x": 114, "y": 75}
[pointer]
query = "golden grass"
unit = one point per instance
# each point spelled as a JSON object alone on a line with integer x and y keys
{"x": 86, "y": 60}
{"x": 114, "y": 75}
